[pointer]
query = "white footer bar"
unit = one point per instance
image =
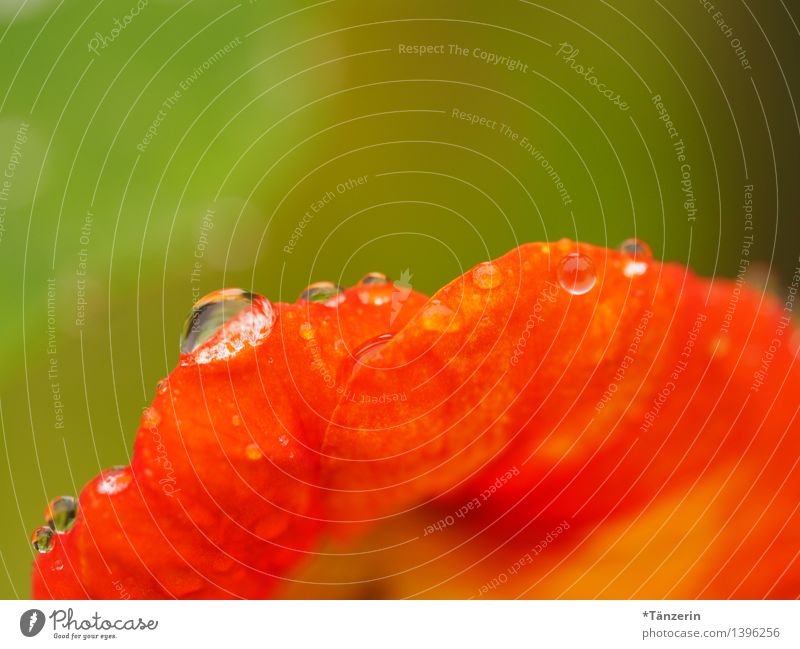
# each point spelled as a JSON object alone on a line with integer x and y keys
{"x": 355, "y": 624}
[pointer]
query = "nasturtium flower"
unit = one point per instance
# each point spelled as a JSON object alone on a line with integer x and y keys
{"x": 564, "y": 421}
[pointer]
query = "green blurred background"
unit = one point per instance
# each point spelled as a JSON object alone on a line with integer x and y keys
{"x": 277, "y": 104}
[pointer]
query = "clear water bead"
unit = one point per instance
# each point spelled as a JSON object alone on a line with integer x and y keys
{"x": 370, "y": 347}
{"x": 43, "y": 540}
{"x": 372, "y": 279}
{"x": 638, "y": 256}
{"x": 576, "y": 273}
{"x": 375, "y": 289}
{"x": 486, "y": 276}
{"x": 326, "y": 293}
{"x": 438, "y": 317}
{"x": 210, "y": 313}
{"x": 114, "y": 481}
{"x": 635, "y": 248}
{"x": 245, "y": 318}
{"x": 61, "y": 513}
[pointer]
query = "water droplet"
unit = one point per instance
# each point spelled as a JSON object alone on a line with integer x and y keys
{"x": 236, "y": 420}
{"x": 43, "y": 540}
{"x": 306, "y": 331}
{"x": 114, "y": 481}
{"x": 634, "y": 268}
{"x": 326, "y": 293}
{"x": 358, "y": 359}
{"x": 210, "y": 313}
{"x": 576, "y": 273}
{"x": 486, "y": 276}
{"x": 283, "y": 440}
{"x": 370, "y": 348}
{"x": 162, "y": 386}
{"x": 638, "y": 256}
{"x": 243, "y": 317}
{"x": 150, "y": 418}
{"x": 376, "y": 293}
{"x": 635, "y": 248}
{"x": 438, "y": 317}
{"x": 373, "y": 279}
{"x": 375, "y": 289}
{"x": 253, "y": 452}
{"x": 61, "y": 513}
{"x": 58, "y": 565}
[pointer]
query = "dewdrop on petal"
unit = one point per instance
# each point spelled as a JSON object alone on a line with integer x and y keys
{"x": 576, "y": 273}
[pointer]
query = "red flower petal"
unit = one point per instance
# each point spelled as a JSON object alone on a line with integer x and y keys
{"x": 599, "y": 390}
